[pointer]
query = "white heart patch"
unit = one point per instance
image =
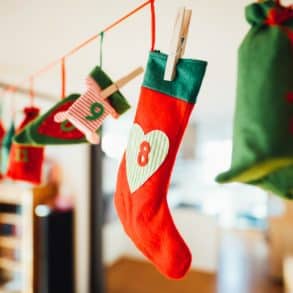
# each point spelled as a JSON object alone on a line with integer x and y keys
{"x": 144, "y": 155}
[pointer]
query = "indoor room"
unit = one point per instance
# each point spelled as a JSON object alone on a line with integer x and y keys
{"x": 146, "y": 146}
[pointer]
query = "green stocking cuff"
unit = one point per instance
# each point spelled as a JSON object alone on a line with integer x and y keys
{"x": 187, "y": 82}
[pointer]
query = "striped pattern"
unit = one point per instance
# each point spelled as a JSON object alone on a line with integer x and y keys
{"x": 81, "y": 109}
{"x": 159, "y": 146}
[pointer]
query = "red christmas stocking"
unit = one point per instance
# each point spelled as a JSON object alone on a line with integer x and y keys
{"x": 144, "y": 174}
{"x": 25, "y": 162}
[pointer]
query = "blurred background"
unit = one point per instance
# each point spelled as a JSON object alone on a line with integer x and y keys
{"x": 240, "y": 236}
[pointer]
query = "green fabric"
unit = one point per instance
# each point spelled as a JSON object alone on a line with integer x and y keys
{"x": 256, "y": 14}
{"x": 278, "y": 182}
{"x": 6, "y": 146}
{"x": 187, "y": 82}
{"x": 262, "y": 135}
{"x": 117, "y": 100}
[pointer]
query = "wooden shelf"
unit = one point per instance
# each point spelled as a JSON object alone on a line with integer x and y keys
{"x": 23, "y": 197}
{"x": 10, "y": 219}
{"x": 9, "y": 199}
{"x": 10, "y": 265}
{"x": 10, "y": 242}
{"x": 2, "y": 290}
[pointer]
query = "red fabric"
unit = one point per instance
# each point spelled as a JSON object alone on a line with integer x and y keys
{"x": 2, "y": 131}
{"x": 25, "y": 162}
{"x": 279, "y": 15}
{"x": 50, "y": 128}
{"x": 30, "y": 114}
{"x": 144, "y": 213}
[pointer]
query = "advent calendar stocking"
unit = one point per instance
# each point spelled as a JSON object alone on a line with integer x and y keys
{"x": 46, "y": 131}
{"x": 88, "y": 112}
{"x": 25, "y": 162}
{"x": 163, "y": 112}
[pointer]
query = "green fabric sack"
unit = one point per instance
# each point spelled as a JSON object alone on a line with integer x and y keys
{"x": 45, "y": 131}
{"x": 263, "y": 120}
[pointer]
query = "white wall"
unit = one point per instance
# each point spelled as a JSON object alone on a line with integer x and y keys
{"x": 199, "y": 231}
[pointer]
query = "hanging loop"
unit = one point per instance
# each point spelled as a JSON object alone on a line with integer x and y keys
{"x": 13, "y": 106}
{"x": 63, "y": 78}
{"x": 11, "y": 90}
{"x": 153, "y": 25}
{"x": 32, "y": 91}
{"x": 102, "y": 34}
{"x": 89, "y": 40}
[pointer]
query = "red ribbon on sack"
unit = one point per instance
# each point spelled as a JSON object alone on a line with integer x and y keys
{"x": 279, "y": 15}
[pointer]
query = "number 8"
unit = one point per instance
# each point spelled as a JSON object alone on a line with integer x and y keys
{"x": 143, "y": 155}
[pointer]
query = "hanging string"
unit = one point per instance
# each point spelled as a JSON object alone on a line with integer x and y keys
{"x": 63, "y": 78}
{"x": 153, "y": 24}
{"x": 32, "y": 91}
{"x": 13, "y": 108}
{"x": 127, "y": 15}
{"x": 13, "y": 88}
{"x": 102, "y": 34}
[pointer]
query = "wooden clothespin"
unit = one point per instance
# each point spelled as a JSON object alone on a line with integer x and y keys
{"x": 178, "y": 42}
{"x": 121, "y": 82}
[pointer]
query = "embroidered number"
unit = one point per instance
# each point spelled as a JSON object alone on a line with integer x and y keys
{"x": 148, "y": 149}
{"x": 143, "y": 155}
{"x": 21, "y": 155}
{"x": 97, "y": 110}
{"x": 66, "y": 126}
